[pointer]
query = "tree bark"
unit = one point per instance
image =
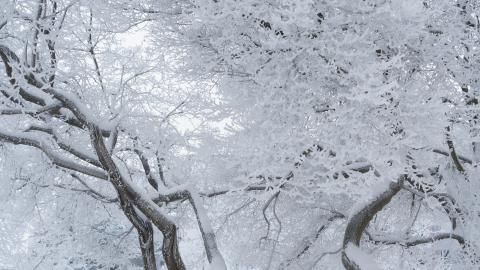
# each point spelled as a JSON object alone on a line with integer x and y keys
{"x": 147, "y": 247}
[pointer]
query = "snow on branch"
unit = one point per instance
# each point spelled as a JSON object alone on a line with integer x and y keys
{"x": 66, "y": 146}
{"x": 214, "y": 256}
{"x": 413, "y": 241}
{"x": 61, "y": 161}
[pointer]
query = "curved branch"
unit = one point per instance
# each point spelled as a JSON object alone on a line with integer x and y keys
{"x": 359, "y": 221}
{"x": 2, "y": 24}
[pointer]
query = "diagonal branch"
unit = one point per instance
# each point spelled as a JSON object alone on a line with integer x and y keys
{"x": 308, "y": 244}
{"x": 67, "y": 147}
{"x": 453, "y": 153}
{"x": 63, "y": 162}
{"x": 93, "y": 191}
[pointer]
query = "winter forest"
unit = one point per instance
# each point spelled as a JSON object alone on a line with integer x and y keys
{"x": 239, "y": 134}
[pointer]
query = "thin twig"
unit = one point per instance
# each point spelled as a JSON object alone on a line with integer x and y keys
{"x": 335, "y": 251}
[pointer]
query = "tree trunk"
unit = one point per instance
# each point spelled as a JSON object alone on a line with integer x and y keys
{"x": 170, "y": 250}
{"x": 145, "y": 238}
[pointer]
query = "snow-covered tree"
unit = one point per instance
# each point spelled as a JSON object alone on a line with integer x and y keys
{"x": 318, "y": 134}
{"x": 100, "y": 112}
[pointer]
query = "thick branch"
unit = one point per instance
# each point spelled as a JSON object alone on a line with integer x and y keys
{"x": 52, "y": 107}
{"x": 359, "y": 221}
{"x": 213, "y": 254}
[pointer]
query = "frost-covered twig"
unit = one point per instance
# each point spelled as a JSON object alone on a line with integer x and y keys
{"x": 335, "y": 251}
{"x": 247, "y": 203}
{"x": 447, "y": 201}
{"x": 93, "y": 191}
{"x": 300, "y": 252}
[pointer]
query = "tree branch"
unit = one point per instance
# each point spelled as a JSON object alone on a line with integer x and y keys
{"x": 67, "y": 147}
{"x": 93, "y": 191}
{"x": 56, "y": 159}
{"x": 359, "y": 221}
{"x": 414, "y": 241}
{"x": 445, "y": 153}
{"x": 453, "y": 153}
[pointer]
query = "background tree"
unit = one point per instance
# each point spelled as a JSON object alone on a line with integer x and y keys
{"x": 325, "y": 101}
